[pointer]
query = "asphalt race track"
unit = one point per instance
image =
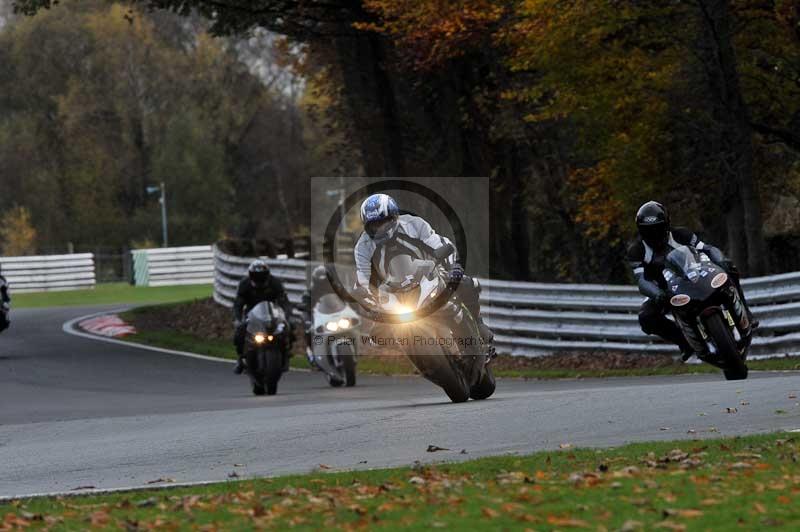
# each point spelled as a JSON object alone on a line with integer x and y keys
{"x": 75, "y": 412}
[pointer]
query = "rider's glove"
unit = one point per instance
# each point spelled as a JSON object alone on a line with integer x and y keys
{"x": 456, "y": 273}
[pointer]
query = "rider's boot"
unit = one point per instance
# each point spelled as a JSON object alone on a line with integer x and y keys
{"x": 238, "y": 369}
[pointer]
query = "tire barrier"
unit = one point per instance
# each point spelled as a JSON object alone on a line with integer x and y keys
{"x": 41, "y": 273}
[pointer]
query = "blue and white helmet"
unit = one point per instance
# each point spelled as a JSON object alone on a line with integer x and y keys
{"x": 379, "y": 214}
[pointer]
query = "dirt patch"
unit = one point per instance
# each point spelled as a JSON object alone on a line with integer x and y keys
{"x": 603, "y": 360}
{"x": 203, "y": 318}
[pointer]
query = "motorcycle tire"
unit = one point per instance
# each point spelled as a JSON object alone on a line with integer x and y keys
{"x": 349, "y": 366}
{"x": 273, "y": 369}
{"x": 484, "y": 387}
{"x": 455, "y": 383}
{"x": 255, "y": 373}
{"x": 735, "y": 368}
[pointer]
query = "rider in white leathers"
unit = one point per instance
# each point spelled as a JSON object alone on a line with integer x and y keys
{"x": 388, "y": 233}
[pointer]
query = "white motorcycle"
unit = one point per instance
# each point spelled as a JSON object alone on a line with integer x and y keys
{"x": 333, "y": 346}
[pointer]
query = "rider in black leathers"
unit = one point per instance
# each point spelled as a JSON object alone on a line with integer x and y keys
{"x": 5, "y": 303}
{"x": 259, "y": 285}
{"x": 647, "y": 255}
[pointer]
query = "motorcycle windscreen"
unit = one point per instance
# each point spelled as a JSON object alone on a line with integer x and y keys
{"x": 330, "y": 304}
{"x": 684, "y": 262}
{"x": 405, "y": 272}
{"x": 259, "y": 318}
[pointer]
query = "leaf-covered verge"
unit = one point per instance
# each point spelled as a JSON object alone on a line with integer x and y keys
{"x": 203, "y": 327}
{"x": 743, "y": 483}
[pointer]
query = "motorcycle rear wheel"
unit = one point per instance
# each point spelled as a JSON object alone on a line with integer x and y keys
{"x": 735, "y": 368}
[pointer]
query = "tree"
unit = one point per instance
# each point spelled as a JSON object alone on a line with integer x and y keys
{"x": 17, "y": 234}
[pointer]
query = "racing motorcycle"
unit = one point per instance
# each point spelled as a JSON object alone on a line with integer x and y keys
{"x": 709, "y": 311}
{"x": 437, "y": 334}
{"x": 266, "y": 347}
{"x": 333, "y": 349}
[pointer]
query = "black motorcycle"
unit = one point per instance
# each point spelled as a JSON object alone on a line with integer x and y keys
{"x": 707, "y": 307}
{"x": 266, "y": 347}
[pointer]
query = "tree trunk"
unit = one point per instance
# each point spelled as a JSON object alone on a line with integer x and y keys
{"x": 370, "y": 97}
{"x": 744, "y": 210}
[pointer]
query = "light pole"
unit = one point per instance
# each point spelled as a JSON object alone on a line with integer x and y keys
{"x": 163, "y": 201}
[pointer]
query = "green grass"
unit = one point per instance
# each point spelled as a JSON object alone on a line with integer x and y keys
{"x": 110, "y": 294}
{"x": 748, "y": 483}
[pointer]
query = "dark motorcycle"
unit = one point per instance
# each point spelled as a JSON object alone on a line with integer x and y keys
{"x": 708, "y": 309}
{"x": 266, "y": 347}
{"x": 444, "y": 345}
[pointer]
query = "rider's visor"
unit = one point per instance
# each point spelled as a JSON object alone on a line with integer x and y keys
{"x": 654, "y": 234}
{"x": 380, "y": 228}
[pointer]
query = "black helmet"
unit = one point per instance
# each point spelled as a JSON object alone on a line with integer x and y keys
{"x": 652, "y": 221}
{"x": 258, "y": 271}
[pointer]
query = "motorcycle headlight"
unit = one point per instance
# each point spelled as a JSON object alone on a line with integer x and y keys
{"x": 259, "y": 338}
{"x": 680, "y": 300}
{"x": 344, "y": 323}
{"x": 719, "y": 280}
{"x": 404, "y": 312}
{"x": 332, "y": 326}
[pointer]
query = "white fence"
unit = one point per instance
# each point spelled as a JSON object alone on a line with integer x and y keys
{"x": 532, "y": 319}
{"x": 39, "y": 273}
{"x": 173, "y": 266}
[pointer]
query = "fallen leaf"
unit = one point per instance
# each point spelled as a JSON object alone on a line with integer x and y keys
{"x": 488, "y": 512}
{"x": 687, "y": 513}
{"x": 744, "y": 403}
{"x": 145, "y": 503}
{"x": 160, "y": 480}
{"x": 792, "y": 396}
{"x": 758, "y": 507}
{"x": 565, "y": 446}
{"x": 731, "y": 410}
{"x": 740, "y": 465}
{"x": 670, "y": 526}
{"x": 417, "y": 480}
{"x": 463, "y": 451}
{"x": 566, "y": 521}
{"x": 691, "y": 431}
{"x": 324, "y": 466}
{"x": 233, "y": 474}
{"x": 783, "y": 499}
{"x": 99, "y": 518}
{"x": 631, "y": 526}
{"x": 83, "y": 488}
{"x": 434, "y": 448}
{"x": 238, "y": 465}
{"x": 664, "y": 428}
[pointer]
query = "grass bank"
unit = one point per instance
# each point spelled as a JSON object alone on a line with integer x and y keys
{"x": 748, "y": 483}
{"x": 111, "y": 294}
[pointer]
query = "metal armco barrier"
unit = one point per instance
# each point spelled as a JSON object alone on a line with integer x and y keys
{"x": 229, "y": 270}
{"x": 40, "y": 273}
{"x": 533, "y": 319}
{"x": 173, "y": 266}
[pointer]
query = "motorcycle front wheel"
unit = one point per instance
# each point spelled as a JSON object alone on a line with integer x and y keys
{"x": 735, "y": 368}
{"x": 485, "y": 387}
{"x": 265, "y": 366}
